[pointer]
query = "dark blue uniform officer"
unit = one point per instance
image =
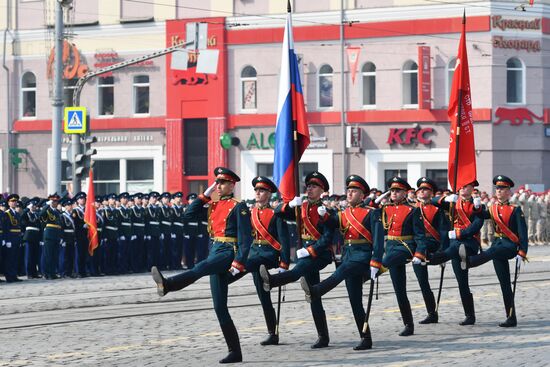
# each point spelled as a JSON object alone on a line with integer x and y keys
{"x": 315, "y": 255}
{"x": 152, "y": 230}
{"x": 360, "y": 227}
{"x": 124, "y": 234}
{"x": 51, "y": 217}
{"x": 165, "y": 212}
{"x": 230, "y": 236}
{"x": 12, "y": 239}
{"x": 138, "y": 253}
{"x": 178, "y": 229}
{"x": 110, "y": 232}
{"x": 32, "y": 237}
{"x": 81, "y": 234}
{"x": 2, "y": 242}
{"x": 67, "y": 253}
{"x": 511, "y": 241}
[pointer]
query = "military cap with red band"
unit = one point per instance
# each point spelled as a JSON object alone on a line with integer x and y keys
{"x": 225, "y": 174}
{"x": 356, "y": 181}
{"x": 426, "y": 183}
{"x": 262, "y": 182}
{"x": 503, "y": 181}
{"x": 317, "y": 178}
{"x": 398, "y": 183}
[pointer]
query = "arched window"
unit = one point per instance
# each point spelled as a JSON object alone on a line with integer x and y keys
{"x": 141, "y": 94}
{"x": 325, "y": 86}
{"x": 515, "y": 81}
{"x": 28, "y": 95}
{"x": 410, "y": 84}
{"x": 369, "y": 84}
{"x": 249, "y": 80}
{"x": 451, "y": 66}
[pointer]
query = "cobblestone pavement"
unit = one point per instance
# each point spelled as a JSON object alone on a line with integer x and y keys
{"x": 120, "y": 321}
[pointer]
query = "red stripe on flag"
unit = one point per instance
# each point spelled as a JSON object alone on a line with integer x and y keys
{"x": 90, "y": 216}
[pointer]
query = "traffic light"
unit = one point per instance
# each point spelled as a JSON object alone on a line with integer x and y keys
{"x": 83, "y": 161}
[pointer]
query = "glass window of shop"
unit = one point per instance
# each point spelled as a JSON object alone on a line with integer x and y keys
{"x": 141, "y": 94}
{"x": 249, "y": 82}
{"x": 68, "y": 91}
{"x": 106, "y": 176}
{"x": 139, "y": 175}
{"x": 195, "y": 147}
{"x": 369, "y": 85}
{"x": 451, "y": 66}
{"x": 515, "y": 81}
{"x": 304, "y": 168}
{"x": 28, "y": 95}
{"x": 410, "y": 84}
{"x": 106, "y": 96}
{"x": 325, "y": 86}
{"x": 439, "y": 176}
{"x": 390, "y": 173}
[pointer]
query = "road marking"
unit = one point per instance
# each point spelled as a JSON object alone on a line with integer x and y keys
{"x": 122, "y": 348}
{"x": 169, "y": 341}
{"x": 67, "y": 355}
{"x": 17, "y": 362}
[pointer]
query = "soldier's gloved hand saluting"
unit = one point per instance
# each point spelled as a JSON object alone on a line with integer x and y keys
{"x": 451, "y": 198}
{"x": 210, "y": 189}
{"x": 297, "y": 201}
{"x": 322, "y": 210}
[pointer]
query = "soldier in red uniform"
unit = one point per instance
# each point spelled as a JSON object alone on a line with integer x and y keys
{"x": 402, "y": 234}
{"x": 230, "y": 239}
{"x": 315, "y": 255}
{"x": 436, "y": 226}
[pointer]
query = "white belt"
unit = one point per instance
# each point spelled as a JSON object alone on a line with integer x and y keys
{"x": 68, "y": 230}
{"x": 178, "y": 224}
{"x": 33, "y": 229}
{"x": 166, "y": 223}
{"x": 155, "y": 223}
{"x": 139, "y": 224}
{"x": 126, "y": 224}
{"x": 112, "y": 228}
{"x": 205, "y": 223}
{"x": 194, "y": 224}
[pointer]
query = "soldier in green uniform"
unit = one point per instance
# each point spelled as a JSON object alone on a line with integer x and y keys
{"x": 361, "y": 227}
{"x": 230, "y": 236}
{"x": 124, "y": 234}
{"x": 32, "y": 237}
{"x": 12, "y": 239}
{"x": 51, "y": 217}
{"x": 511, "y": 240}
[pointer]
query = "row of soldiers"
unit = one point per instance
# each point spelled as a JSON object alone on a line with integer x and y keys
{"x": 380, "y": 234}
{"x": 49, "y": 237}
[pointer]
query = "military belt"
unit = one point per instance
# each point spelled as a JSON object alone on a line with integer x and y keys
{"x": 501, "y": 235}
{"x": 50, "y": 225}
{"x": 68, "y": 230}
{"x": 155, "y": 223}
{"x": 178, "y": 224}
{"x": 139, "y": 224}
{"x": 399, "y": 238}
{"x": 261, "y": 243}
{"x": 205, "y": 223}
{"x": 356, "y": 242}
{"x": 225, "y": 239}
{"x": 32, "y": 229}
{"x": 308, "y": 238}
{"x": 194, "y": 224}
{"x": 126, "y": 224}
{"x": 112, "y": 228}
{"x": 166, "y": 223}
{"x": 15, "y": 230}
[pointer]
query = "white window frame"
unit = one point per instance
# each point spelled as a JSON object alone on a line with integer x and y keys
{"x": 319, "y": 75}
{"x": 22, "y": 98}
{"x": 242, "y": 80}
{"x": 408, "y": 87}
{"x": 449, "y": 79}
{"x": 523, "y": 81}
{"x": 99, "y": 99}
{"x": 363, "y": 75}
{"x": 135, "y": 87}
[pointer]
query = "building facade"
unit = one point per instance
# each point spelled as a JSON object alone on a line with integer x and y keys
{"x": 160, "y": 127}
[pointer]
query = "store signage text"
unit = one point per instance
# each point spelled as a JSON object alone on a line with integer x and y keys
{"x": 110, "y": 57}
{"x": 516, "y": 116}
{"x": 190, "y": 77}
{"x": 73, "y": 64}
{"x": 505, "y": 24}
{"x": 267, "y": 141}
{"x": 497, "y": 21}
{"x": 410, "y": 136}
{"x": 118, "y": 139}
{"x": 516, "y": 44}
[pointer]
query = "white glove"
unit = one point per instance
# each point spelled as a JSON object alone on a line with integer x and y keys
{"x": 373, "y": 272}
{"x": 520, "y": 260}
{"x": 49, "y": 202}
{"x": 63, "y": 243}
{"x": 8, "y": 244}
{"x": 173, "y": 235}
{"x": 477, "y": 202}
{"x": 381, "y": 197}
{"x": 371, "y": 196}
{"x": 162, "y": 236}
{"x": 210, "y": 190}
{"x": 234, "y": 271}
{"x": 281, "y": 270}
{"x": 187, "y": 236}
{"x": 41, "y": 243}
{"x": 3, "y": 243}
{"x": 133, "y": 237}
{"x": 200, "y": 236}
{"x": 302, "y": 253}
{"x": 85, "y": 226}
{"x": 297, "y": 201}
{"x": 29, "y": 206}
{"x": 416, "y": 260}
{"x": 322, "y": 210}
{"x": 122, "y": 238}
{"x": 452, "y": 235}
{"x": 451, "y": 198}
{"x": 442, "y": 265}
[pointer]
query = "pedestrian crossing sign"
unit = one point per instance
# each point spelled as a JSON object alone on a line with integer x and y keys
{"x": 75, "y": 120}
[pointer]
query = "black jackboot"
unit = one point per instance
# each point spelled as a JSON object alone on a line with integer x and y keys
{"x": 469, "y": 311}
{"x": 322, "y": 331}
{"x": 406, "y": 314}
{"x": 511, "y": 320}
{"x": 271, "y": 321}
{"x": 162, "y": 288}
{"x": 366, "y": 339}
{"x": 234, "y": 347}
{"x": 432, "y": 317}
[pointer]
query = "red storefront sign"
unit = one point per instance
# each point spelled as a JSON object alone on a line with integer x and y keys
{"x": 410, "y": 135}
{"x": 517, "y": 116}
{"x": 424, "y": 78}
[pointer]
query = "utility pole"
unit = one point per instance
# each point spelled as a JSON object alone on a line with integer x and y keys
{"x": 343, "y": 94}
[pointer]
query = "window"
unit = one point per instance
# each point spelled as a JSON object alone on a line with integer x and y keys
{"x": 248, "y": 88}
{"x": 68, "y": 91}
{"x": 439, "y": 176}
{"x": 106, "y": 176}
{"x": 369, "y": 84}
{"x": 451, "y": 66}
{"x": 28, "y": 95}
{"x": 305, "y": 168}
{"x": 390, "y": 173}
{"x": 195, "y": 147}
{"x": 139, "y": 175}
{"x": 410, "y": 84}
{"x": 141, "y": 94}
{"x": 325, "y": 86}
{"x": 515, "y": 81}
{"x": 106, "y": 96}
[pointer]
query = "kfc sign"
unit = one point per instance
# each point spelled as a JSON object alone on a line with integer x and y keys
{"x": 410, "y": 136}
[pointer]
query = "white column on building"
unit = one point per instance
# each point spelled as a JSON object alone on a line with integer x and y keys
{"x": 123, "y": 175}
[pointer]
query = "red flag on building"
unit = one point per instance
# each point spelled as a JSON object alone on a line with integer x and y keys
{"x": 531, "y": 2}
{"x": 462, "y": 155}
{"x": 90, "y": 216}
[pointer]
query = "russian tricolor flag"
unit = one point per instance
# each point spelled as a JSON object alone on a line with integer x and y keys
{"x": 291, "y": 115}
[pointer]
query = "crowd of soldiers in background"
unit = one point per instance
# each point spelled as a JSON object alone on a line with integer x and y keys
{"x": 139, "y": 231}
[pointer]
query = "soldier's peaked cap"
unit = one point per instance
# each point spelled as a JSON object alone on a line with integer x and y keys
{"x": 503, "y": 181}
{"x": 191, "y": 196}
{"x": 317, "y": 178}
{"x": 13, "y": 197}
{"x": 54, "y": 196}
{"x": 262, "y": 182}
{"x": 225, "y": 174}
{"x": 123, "y": 195}
{"x": 398, "y": 183}
{"x": 166, "y": 195}
{"x": 356, "y": 181}
{"x": 426, "y": 183}
{"x": 80, "y": 195}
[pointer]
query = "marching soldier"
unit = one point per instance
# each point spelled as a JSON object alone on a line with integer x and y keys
{"x": 436, "y": 236}
{"x": 138, "y": 253}
{"x": 467, "y": 224}
{"x": 81, "y": 234}
{"x": 51, "y": 217}
{"x": 402, "y": 232}
{"x": 360, "y": 226}
{"x": 124, "y": 234}
{"x": 32, "y": 237}
{"x": 67, "y": 239}
{"x": 12, "y": 239}
{"x": 178, "y": 228}
{"x": 269, "y": 248}
{"x": 511, "y": 240}
{"x": 165, "y": 212}
{"x": 315, "y": 255}
{"x": 230, "y": 236}
{"x": 153, "y": 231}
{"x": 112, "y": 224}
